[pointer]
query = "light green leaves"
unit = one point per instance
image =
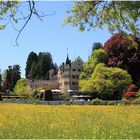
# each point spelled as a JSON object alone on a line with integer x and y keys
{"x": 106, "y": 82}
{"x": 117, "y": 15}
{"x": 98, "y": 56}
{"x": 2, "y": 27}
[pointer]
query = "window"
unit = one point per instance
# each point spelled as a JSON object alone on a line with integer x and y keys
{"x": 66, "y": 76}
{"x": 79, "y": 70}
{"x": 73, "y": 69}
{"x": 73, "y": 83}
{"x": 73, "y": 76}
{"x": 65, "y": 83}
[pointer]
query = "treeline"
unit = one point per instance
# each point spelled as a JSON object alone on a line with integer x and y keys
{"x": 38, "y": 66}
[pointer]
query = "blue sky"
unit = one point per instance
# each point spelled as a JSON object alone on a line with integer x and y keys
{"x": 48, "y": 36}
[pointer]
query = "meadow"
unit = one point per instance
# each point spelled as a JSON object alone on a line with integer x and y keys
{"x": 62, "y": 122}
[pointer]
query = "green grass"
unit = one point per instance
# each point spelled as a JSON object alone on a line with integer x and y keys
{"x": 62, "y": 122}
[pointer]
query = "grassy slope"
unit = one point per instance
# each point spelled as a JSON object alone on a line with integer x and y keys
{"x": 41, "y": 121}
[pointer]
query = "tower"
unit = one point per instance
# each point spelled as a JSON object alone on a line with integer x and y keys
{"x": 68, "y": 62}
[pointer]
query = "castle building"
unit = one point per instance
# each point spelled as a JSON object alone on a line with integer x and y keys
{"x": 66, "y": 79}
{"x": 68, "y": 75}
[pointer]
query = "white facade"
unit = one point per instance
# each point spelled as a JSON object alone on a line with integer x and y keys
{"x": 68, "y": 75}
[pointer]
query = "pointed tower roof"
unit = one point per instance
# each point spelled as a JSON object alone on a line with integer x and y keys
{"x": 67, "y": 59}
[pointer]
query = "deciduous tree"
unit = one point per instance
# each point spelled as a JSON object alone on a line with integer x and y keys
{"x": 21, "y": 88}
{"x": 124, "y": 52}
{"x": 106, "y": 82}
{"x": 116, "y": 15}
{"x": 98, "y": 56}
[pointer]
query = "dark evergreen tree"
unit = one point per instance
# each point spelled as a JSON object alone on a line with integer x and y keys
{"x": 32, "y": 58}
{"x": 96, "y": 46}
{"x": 33, "y": 71}
{"x": 9, "y": 76}
{"x": 37, "y": 67}
{"x": 15, "y": 75}
{"x": 12, "y": 75}
{"x": 45, "y": 63}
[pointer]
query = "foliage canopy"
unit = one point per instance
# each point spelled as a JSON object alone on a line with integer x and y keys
{"x": 38, "y": 66}
{"x": 22, "y": 88}
{"x": 12, "y": 75}
{"x": 97, "y": 56}
{"x": 106, "y": 82}
{"x": 116, "y": 15}
{"x": 124, "y": 52}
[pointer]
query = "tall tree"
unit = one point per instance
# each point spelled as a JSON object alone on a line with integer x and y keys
{"x": 45, "y": 63}
{"x": 106, "y": 82}
{"x": 124, "y": 52}
{"x": 9, "y": 76}
{"x": 38, "y": 66}
{"x": 33, "y": 70}
{"x": 32, "y": 58}
{"x": 96, "y": 46}
{"x": 98, "y": 56}
{"x": 116, "y": 15}
{"x": 12, "y": 75}
{"x": 16, "y": 75}
{"x": 5, "y": 85}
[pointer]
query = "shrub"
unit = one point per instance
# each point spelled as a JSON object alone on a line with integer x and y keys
{"x": 110, "y": 103}
{"x": 0, "y": 97}
{"x": 131, "y": 92}
{"x": 96, "y": 101}
{"x": 22, "y": 89}
{"x": 48, "y": 96}
{"x": 138, "y": 94}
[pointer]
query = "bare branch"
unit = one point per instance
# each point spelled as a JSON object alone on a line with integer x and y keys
{"x": 31, "y": 6}
{"x": 32, "y": 11}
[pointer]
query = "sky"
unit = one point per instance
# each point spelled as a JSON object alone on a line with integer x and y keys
{"x": 48, "y": 36}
